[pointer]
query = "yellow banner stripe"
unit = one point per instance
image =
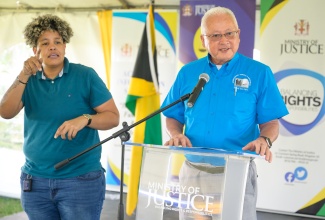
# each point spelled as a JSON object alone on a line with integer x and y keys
{"x": 320, "y": 196}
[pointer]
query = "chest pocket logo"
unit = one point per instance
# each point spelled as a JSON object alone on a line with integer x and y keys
{"x": 243, "y": 83}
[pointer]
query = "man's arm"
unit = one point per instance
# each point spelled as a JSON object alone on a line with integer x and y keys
{"x": 269, "y": 129}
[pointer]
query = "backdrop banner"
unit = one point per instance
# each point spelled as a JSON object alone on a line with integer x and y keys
{"x": 127, "y": 30}
{"x": 293, "y": 45}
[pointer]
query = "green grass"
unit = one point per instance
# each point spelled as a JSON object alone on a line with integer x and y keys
{"x": 9, "y": 206}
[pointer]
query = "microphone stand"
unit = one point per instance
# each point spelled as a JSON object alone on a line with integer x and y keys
{"x": 124, "y": 136}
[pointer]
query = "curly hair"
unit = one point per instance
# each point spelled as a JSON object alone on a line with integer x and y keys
{"x": 38, "y": 25}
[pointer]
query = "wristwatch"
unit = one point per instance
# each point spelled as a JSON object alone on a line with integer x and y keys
{"x": 89, "y": 117}
{"x": 268, "y": 141}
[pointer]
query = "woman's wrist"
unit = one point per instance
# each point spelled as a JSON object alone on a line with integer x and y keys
{"x": 21, "y": 81}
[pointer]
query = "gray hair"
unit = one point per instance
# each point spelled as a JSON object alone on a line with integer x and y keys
{"x": 38, "y": 25}
{"x": 218, "y": 11}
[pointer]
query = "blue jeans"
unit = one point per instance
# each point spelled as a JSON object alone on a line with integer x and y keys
{"x": 79, "y": 198}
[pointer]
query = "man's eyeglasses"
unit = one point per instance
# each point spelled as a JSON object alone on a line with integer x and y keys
{"x": 217, "y": 37}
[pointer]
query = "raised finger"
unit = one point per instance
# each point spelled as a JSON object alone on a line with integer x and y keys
{"x": 38, "y": 54}
{"x": 39, "y": 60}
{"x": 35, "y": 65}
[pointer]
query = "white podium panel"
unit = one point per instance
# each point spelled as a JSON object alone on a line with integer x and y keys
{"x": 172, "y": 186}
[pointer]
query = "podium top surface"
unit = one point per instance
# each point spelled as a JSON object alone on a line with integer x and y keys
{"x": 196, "y": 150}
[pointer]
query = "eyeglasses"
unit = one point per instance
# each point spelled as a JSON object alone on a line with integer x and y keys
{"x": 217, "y": 37}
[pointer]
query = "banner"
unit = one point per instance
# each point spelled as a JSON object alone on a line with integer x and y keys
{"x": 292, "y": 44}
{"x": 127, "y": 31}
{"x": 191, "y": 12}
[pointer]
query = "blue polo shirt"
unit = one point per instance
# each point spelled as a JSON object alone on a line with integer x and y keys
{"x": 47, "y": 104}
{"x": 240, "y": 95}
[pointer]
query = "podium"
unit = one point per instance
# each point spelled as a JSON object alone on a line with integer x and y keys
{"x": 166, "y": 192}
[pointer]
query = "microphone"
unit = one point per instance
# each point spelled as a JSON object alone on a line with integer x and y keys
{"x": 203, "y": 79}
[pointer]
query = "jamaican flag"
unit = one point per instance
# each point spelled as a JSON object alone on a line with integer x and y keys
{"x": 142, "y": 100}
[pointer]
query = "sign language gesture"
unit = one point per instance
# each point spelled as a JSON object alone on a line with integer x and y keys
{"x": 70, "y": 128}
{"x": 33, "y": 64}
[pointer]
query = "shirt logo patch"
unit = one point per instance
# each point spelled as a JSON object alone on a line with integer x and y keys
{"x": 241, "y": 82}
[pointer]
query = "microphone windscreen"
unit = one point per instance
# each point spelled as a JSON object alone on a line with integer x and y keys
{"x": 204, "y": 76}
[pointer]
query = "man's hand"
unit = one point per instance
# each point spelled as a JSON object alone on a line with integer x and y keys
{"x": 260, "y": 147}
{"x": 179, "y": 140}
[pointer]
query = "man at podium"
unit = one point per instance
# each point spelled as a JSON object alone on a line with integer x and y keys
{"x": 238, "y": 109}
